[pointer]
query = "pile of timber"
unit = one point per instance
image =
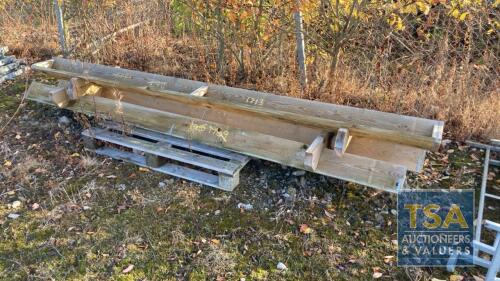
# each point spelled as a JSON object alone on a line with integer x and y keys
{"x": 368, "y": 147}
{"x": 10, "y": 67}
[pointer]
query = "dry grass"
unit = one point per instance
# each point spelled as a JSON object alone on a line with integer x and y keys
{"x": 459, "y": 87}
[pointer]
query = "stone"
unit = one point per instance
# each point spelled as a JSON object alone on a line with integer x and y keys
{"x": 299, "y": 173}
{"x": 281, "y": 266}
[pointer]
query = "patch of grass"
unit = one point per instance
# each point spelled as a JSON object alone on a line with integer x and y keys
{"x": 93, "y": 221}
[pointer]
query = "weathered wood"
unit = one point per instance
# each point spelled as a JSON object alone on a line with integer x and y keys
{"x": 342, "y": 139}
{"x": 394, "y": 153}
{"x": 165, "y": 151}
{"x": 361, "y": 122}
{"x": 200, "y": 92}
{"x": 9, "y": 68}
{"x": 411, "y": 157}
{"x": 153, "y": 160}
{"x": 11, "y": 75}
{"x": 179, "y": 142}
{"x": 79, "y": 87}
{"x": 168, "y": 168}
{"x": 7, "y": 60}
{"x": 313, "y": 153}
{"x": 60, "y": 97}
{"x": 350, "y": 167}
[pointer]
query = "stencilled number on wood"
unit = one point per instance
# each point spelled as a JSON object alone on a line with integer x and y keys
{"x": 255, "y": 101}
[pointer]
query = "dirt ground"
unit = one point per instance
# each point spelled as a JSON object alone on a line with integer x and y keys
{"x": 68, "y": 215}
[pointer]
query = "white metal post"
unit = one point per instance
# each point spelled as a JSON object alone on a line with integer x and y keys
{"x": 481, "y": 199}
{"x": 301, "y": 48}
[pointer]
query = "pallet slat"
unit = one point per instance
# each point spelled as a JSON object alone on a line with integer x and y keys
{"x": 171, "y": 169}
{"x": 187, "y": 144}
{"x": 165, "y": 151}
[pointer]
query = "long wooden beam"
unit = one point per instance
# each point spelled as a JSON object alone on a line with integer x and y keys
{"x": 354, "y": 168}
{"x": 360, "y": 122}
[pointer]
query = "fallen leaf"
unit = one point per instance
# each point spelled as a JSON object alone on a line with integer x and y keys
{"x": 128, "y": 269}
{"x": 304, "y": 228}
{"x": 7, "y": 163}
{"x": 328, "y": 214}
{"x": 142, "y": 169}
{"x": 18, "y": 136}
{"x": 76, "y": 154}
{"x": 215, "y": 241}
{"x": 35, "y": 206}
{"x": 40, "y": 170}
{"x": 456, "y": 277}
{"x": 111, "y": 177}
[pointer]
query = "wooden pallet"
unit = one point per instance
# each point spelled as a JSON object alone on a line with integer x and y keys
{"x": 166, "y": 154}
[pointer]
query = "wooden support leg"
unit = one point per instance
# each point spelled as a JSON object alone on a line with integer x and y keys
{"x": 227, "y": 182}
{"x": 342, "y": 139}
{"x": 78, "y": 87}
{"x": 60, "y": 97}
{"x": 89, "y": 143}
{"x": 154, "y": 161}
{"x": 313, "y": 153}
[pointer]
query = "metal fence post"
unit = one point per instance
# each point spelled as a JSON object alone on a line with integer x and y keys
{"x": 60, "y": 27}
{"x": 301, "y": 52}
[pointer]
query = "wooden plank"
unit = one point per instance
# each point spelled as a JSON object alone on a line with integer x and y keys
{"x": 313, "y": 153}
{"x": 187, "y": 144}
{"x": 169, "y": 168}
{"x": 411, "y": 157}
{"x": 402, "y": 129}
{"x": 370, "y": 172}
{"x": 11, "y": 76}
{"x": 200, "y": 92}
{"x": 164, "y": 151}
{"x": 275, "y": 128}
{"x": 9, "y": 68}
{"x": 7, "y": 60}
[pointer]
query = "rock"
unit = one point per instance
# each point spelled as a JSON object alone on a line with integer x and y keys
{"x": 394, "y": 212}
{"x": 246, "y": 207}
{"x": 291, "y": 194}
{"x": 86, "y": 208}
{"x": 281, "y": 266}
{"x": 299, "y": 173}
{"x": 445, "y": 142}
{"x": 162, "y": 184}
{"x": 16, "y": 204}
{"x": 122, "y": 186}
{"x": 13, "y": 216}
{"x": 63, "y": 120}
{"x": 217, "y": 212}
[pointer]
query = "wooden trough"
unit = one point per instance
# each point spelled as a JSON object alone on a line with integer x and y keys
{"x": 364, "y": 146}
